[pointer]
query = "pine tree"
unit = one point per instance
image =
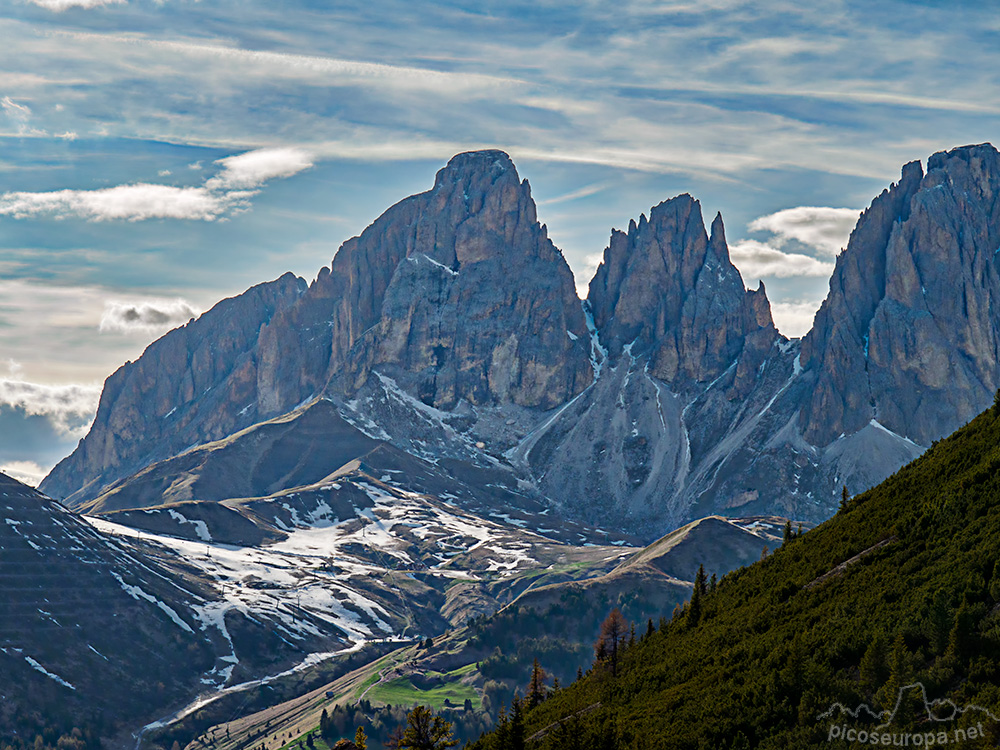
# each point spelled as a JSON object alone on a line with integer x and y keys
{"x": 713, "y": 583}
{"x": 844, "y": 497}
{"x": 700, "y": 589}
{"x": 649, "y": 627}
{"x": 536, "y": 687}
{"x": 361, "y": 739}
{"x": 874, "y": 670}
{"x": 958, "y": 638}
{"x": 899, "y": 674}
{"x": 502, "y": 730}
{"x": 788, "y": 535}
{"x": 517, "y": 724}
{"x": 612, "y": 637}
{"x": 996, "y": 404}
{"x": 324, "y": 726}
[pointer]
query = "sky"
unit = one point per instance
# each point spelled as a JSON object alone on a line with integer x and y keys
{"x": 159, "y": 155}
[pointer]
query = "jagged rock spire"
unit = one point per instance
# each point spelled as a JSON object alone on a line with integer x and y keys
{"x": 668, "y": 289}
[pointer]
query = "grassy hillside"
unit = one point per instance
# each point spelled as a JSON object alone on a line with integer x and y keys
{"x": 900, "y": 587}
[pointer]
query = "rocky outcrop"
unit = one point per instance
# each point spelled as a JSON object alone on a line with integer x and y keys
{"x": 456, "y": 293}
{"x": 908, "y": 335}
{"x": 195, "y": 384}
{"x": 668, "y": 290}
{"x": 482, "y": 306}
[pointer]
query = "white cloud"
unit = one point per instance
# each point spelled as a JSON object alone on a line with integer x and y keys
{"x": 254, "y": 168}
{"x": 123, "y": 202}
{"x": 19, "y": 112}
{"x": 757, "y": 259}
{"x": 70, "y": 408}
{"x": 794, "y": 318}
{"x": 61, "y": 5}
{"x": 27, "y": 472}
{"x": 820, "y": 227}
{"x": 228, "y": 192}
{"x": 145, "y": 316}
{"x": 585, "y": 273}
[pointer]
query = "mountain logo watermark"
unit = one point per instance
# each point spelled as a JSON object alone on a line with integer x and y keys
{"x": 939, "y": 712}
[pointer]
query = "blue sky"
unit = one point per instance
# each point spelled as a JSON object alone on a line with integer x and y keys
{"x": 157, "y": 156}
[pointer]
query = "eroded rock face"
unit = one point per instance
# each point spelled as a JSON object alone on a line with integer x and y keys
{"x": 483, "y": 307}
{"x": 668, "y": 290}
{"x": 195, "y": 384}
{"x": 456, "y": 293}
{"x": 450, "y": 328}
{"x": 908, "y": 335}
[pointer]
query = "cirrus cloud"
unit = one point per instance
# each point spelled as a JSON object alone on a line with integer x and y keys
{"x": 145, "y": 316}
{"x": 61, "y": 5}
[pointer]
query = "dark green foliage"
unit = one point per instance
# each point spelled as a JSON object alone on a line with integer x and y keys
{"x": 773, "y": 647}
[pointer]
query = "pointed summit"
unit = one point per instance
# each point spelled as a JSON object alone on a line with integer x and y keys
{"x": 909, "y": 334}
{"x": 670, "y": 290}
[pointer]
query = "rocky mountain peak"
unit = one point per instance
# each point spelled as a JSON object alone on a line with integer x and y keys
{"x": 668, "y": 289}
{"x": 908, "y": 335}
{"x": 480, "y": 305}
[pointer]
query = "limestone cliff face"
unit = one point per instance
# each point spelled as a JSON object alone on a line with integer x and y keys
{"x": 908, "y": 335}
{"x": 196, "y": 383}
{"x": 456, "y": 293}
{"x": 457, "y": 299}
{"x": 668, "y": 290}
{"x": 482, "y": 307}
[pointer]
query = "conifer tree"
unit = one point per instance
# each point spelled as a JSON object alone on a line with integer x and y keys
{"x": 612, "y": 638}
{"x": 517, "y": 724}
{"x": 788, "y": 535}
{"x": 701, "y": 580}
{"x": 844, "y": 497}
{"x": 361, "y": 739}
{"x": 536, "y": 687}
{"x": 874, "y": 670}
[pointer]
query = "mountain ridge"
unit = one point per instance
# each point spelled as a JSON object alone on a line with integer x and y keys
{"x": 450, "y": 329}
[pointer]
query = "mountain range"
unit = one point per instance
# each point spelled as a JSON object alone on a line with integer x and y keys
{"x": 437, "y": 437}
{"x": 450, "y": 330}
